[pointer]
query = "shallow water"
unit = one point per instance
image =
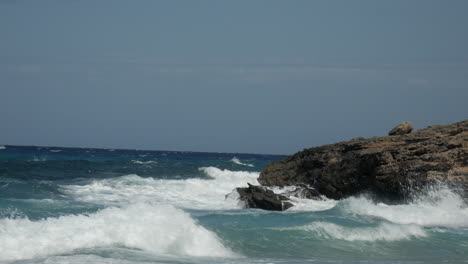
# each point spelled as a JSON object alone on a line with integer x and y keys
{"x": 60, "y": 205}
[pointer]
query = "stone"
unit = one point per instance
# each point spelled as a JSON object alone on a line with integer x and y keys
{"x": 261, "y": 197}
{"x": 401, "y": 129}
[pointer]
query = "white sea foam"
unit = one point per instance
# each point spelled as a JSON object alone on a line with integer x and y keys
{"x": 384, "y": 231}
{"x": 2, "y": 147}
{"x": 144, "y": 162}
{"x": 55, "y": 150}
{"x": 312, "y": 205}
{"x": 305, "y": 204}
{"x": 158, "y": 229}
{"x": 237, "y": 161}
{"x": 38, "y": 159}
{"x": 440, "y": 207}
{"x": 190, "y": 193}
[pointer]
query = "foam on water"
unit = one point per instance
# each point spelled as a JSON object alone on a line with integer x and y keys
{"x": 238, "y": 162}
{"x": 305, "y": 204}
{"x": 384, "y": 231}
{"x": 2, "y": 147}
{"x": 194, "y": 193}
{"x": 312, "y": 205}
{"x": 144, "y": 162}
{"x": 157, "y": 229}
{"x": 439, "y": 207}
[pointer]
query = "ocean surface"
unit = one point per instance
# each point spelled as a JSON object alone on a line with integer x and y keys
{"x": 70, "y": 205}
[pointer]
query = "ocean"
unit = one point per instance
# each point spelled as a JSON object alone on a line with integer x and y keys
{"x": 78, "y": 205}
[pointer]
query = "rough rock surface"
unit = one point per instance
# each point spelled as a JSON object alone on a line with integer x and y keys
{"x": 391, "y": 167}
{"x": 260, "y": 197}
{"x": 401, "y": 129}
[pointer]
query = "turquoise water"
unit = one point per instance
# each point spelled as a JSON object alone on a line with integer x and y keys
{"x": 61, "y": 205}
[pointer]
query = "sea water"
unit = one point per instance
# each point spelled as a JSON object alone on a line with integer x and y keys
{"x": 66, "y": 205}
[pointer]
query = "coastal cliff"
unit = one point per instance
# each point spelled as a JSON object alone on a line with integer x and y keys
{"x": 391, "y": 168}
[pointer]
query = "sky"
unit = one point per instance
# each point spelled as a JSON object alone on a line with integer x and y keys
{"x": 227, "y": 76}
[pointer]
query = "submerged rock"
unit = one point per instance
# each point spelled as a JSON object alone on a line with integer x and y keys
{"x": 261, "y": 197}
{"x": 401, "y": 129}
{"x": 390, "y": 167}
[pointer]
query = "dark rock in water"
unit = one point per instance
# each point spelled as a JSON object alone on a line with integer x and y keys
{"x": 401, "y": 129}
{"x": 261, "y": 197}
{"x": 390, "y": 167}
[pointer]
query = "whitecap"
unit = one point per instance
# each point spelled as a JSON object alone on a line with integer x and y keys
{"x": 38, "y": 159}
{"x": 238, "y": 162}
{"x": 144, "y": 162}
{"x": 301, "y": 204}
{"x": 155, "y": 229}
{"x": 439, "y": 207}
{"x": 194, "y": 193}
{"x": 384, "y": 231}
{"x": 55, "y": 150}
{"x": 2, "y": 147}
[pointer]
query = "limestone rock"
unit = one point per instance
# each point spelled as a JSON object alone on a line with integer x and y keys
{"x": 401, "y": 129}
{"x": 391, "y": 167}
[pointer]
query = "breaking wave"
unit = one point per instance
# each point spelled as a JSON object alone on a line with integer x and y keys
{"x": 144, "y": 162}
{"x": 439, "y": 207}
{"x": 157, "y": 229}
{"x": 384, "y": 231}
{"x": 193, "y": 193}
{"x": 238, "y": 162}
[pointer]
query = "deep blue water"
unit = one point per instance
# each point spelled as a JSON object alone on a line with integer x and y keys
{"x": 71, "y": 205}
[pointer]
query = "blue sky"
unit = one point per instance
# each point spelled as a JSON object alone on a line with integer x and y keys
{"x": 227, "y": 76}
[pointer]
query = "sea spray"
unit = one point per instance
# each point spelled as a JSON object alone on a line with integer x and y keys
{"x": 440, "y": 206}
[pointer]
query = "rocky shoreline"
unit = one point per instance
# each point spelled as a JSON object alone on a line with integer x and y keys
{"x": 391, "y": 168}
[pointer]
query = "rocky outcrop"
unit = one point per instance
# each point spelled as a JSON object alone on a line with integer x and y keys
{"x": 391, "y": 167}
{"x": 401, "y": 129}
{"x": 261, "y": 197}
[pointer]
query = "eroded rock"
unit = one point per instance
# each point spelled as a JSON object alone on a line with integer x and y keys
{"x": 390, "y": 166}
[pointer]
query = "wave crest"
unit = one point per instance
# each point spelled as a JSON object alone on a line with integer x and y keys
{"x": 194, "y": 193}
{"x": 238, "y": 162}
{"x": 439, "y": 207}
{"x": 384, "y": 231}
{"x": 157, "y": 229}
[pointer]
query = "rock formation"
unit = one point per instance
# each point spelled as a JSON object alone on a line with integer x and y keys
{"x": 401, "y": 129}
{"x": 390, "y": 167}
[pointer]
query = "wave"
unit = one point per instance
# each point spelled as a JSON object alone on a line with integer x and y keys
{"x": 439, "y": 207}
{"x": 2, "y": 147}
{"x": 38, "y": 159}
{"x": 156, "y": 229}
{"x": 301, "y": 204}
{"x": 144, "y": 162}
{"x": 384, "y": 231}
{"x": 55, "y": 150}
{"x": 194, "y": 193}
{"x": 238, "y": 162}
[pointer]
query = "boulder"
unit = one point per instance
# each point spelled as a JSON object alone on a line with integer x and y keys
{"x": 390, "y": 167}
{"x": 261, "y": 197}
{"x": 401, "y": 129}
